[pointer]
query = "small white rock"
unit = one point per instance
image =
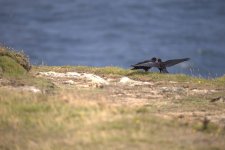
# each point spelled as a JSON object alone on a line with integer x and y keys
{"x": 95, "y": 79}
{"x": 73, "y": 74}
{"x": 71, "y": 82}
{"x": 128, "y": 81}
{"x": 125, "y": 80}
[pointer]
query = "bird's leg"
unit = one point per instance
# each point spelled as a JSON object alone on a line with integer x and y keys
{"x": 164, "y": 70}
{"x": 160, "y": 70}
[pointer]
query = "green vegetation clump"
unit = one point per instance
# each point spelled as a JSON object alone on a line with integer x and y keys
{"x": 13, "y": 63}
{"x": 221, "y": 80}
{"x": 19, "y": 57}
{"x": 10, "y": 67}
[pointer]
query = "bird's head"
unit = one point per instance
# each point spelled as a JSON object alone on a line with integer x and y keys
{"x": 154, "y": 59}
{"x": 159, "y": 60}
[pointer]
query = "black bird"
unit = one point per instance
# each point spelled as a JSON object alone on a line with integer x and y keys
{"x": 162, "y": 65}
{"x": 140, "y": 66}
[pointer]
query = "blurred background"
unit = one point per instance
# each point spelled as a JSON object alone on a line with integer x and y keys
{"x": 118, "y": 32}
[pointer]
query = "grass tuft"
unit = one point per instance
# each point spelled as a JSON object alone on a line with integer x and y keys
{"x": 20, "y": 57}
{"x": 10, "y": 68}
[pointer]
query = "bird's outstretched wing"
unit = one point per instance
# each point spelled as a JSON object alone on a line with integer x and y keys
{"x": 145, "y": 61}
{"x": 173, "y": 62}
{"x": 146, "y": 64}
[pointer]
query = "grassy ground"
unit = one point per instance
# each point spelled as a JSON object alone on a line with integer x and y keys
{"x": 173, "y": 112}
{"x": 88, "y": 121}
{"x": 103, "y": 118}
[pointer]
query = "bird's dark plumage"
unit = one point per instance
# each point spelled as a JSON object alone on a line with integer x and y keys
{"x": 169, "y": 63}
{"x": 158, "y": 64}
{"x": 173, "y": 62}
{"x": 140, "y": 66}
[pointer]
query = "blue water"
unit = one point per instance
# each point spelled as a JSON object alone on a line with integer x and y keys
{"x": 118, "y": 32}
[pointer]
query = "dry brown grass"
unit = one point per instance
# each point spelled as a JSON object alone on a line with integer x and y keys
{"x": 174, "y": 112}
{"x": 92, "y": 119}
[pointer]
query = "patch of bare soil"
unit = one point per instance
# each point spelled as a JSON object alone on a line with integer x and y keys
{"x": 14, "y": 85}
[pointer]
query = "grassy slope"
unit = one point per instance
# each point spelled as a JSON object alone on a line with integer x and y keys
{"x": 18, "y": 56}
{"x": 10, "y": 67}
{"x": 85, "y": 119}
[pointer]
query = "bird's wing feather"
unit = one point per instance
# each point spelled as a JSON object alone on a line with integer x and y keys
{"x": 147, "y": 64}
{"x": 173, "y": 62}
{"x": 145, "y": 61}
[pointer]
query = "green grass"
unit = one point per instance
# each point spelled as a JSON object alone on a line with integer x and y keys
{"x": 30, "y": 121}
{"x": 13, "y": 74}
{"x": 10, "y": 68}
{"x": 60, "y": 118}
{"x": 13, "y": 63}
{"x": 14, "y": 67}
{"x": 17, "y": 56}
{"x": 116, "y": 72}
{"x": 220, "y": 80}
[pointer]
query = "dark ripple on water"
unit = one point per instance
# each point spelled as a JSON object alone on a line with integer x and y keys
{"x": 118, "y": 33}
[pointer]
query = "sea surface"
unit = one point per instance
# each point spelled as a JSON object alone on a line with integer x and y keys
{"x": 118, "y": 32}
